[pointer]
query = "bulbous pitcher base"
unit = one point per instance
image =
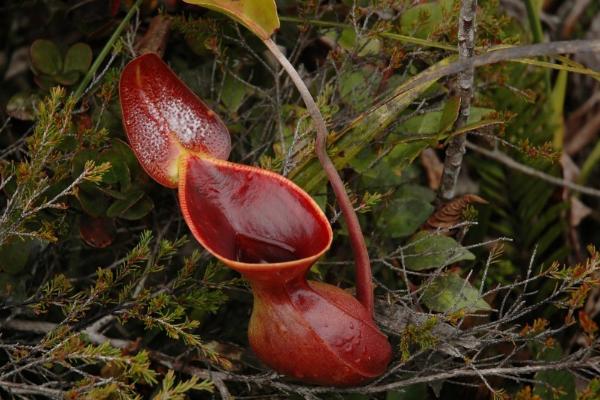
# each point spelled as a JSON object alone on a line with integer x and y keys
{"x": 317, "y": 333}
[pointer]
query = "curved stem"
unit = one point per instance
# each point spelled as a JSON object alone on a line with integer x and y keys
{"x": 364, "y": 285}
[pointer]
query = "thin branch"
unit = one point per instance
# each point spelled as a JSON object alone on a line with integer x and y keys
{"x": 272, "y": 380}
{"x": 467, "y": 371}
{"x": 52, "y": 203}
{"x": 43, "y": 327}
{"x": 496, "y": 56}
{"x": 470, "y": 372}
{"x": 456, "y": 148}
{"x": 509, "y": 162}
{"x": 21, "y": 388}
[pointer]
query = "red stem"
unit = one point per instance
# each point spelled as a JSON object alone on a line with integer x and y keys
{"x": 364, "y": 284}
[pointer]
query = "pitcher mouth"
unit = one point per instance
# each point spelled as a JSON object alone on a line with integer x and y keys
{"x": 250, "y": 218}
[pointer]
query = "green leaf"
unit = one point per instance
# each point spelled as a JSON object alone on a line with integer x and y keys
{"x": 118, "y": 172}
{"x": 416, "y": 192}
{"x": 78, "y": 58}
{"x": 15, "y": 254}
{"x": 366, "y": 46}
{"x": 557, "y": 100}
{"x": 260, "y": 16}
{"x": 45, "y": 57}
{"x": 321, "y": 197}
{"x": 365, "y": 163}
{"x": 404, "y": 216}
{"x": 449, "y": 114}
{"x": 233, "y": 93}
{"x": 425, "y": 124}
{"x": 477, "y": 126}
{"x": 435, "y": 122}
{"x": 124, "y": 151}
{"x": 450, "y": 293}
{"x": 120, "y": 206}
{"x": 346, "y": 39}
{"x": 480, "y": 113}
{"x": 355, "y": 87}
{"x": 93, "y": 202}
{"x": 115, "y": 194}
{"x": 139, "y": 209}
{"x": 428, "y": 251}
{"x": 422, "y": 19}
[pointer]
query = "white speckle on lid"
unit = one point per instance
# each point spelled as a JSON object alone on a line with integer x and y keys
{"x": 189, "y": 127}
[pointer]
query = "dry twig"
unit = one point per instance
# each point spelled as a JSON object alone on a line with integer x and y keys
{"x": 511, "y": 163}
{"x": 456, "y": 147}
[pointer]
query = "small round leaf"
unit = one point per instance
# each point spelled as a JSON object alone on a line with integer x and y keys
{"x": 78, "y": 58}
{"x": 45, "y": 57}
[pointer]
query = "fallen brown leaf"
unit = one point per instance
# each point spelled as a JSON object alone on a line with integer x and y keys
{"x": 451, "y": 214}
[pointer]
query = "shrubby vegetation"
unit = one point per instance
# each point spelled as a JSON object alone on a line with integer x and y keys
{"x": 486, "y": 280}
